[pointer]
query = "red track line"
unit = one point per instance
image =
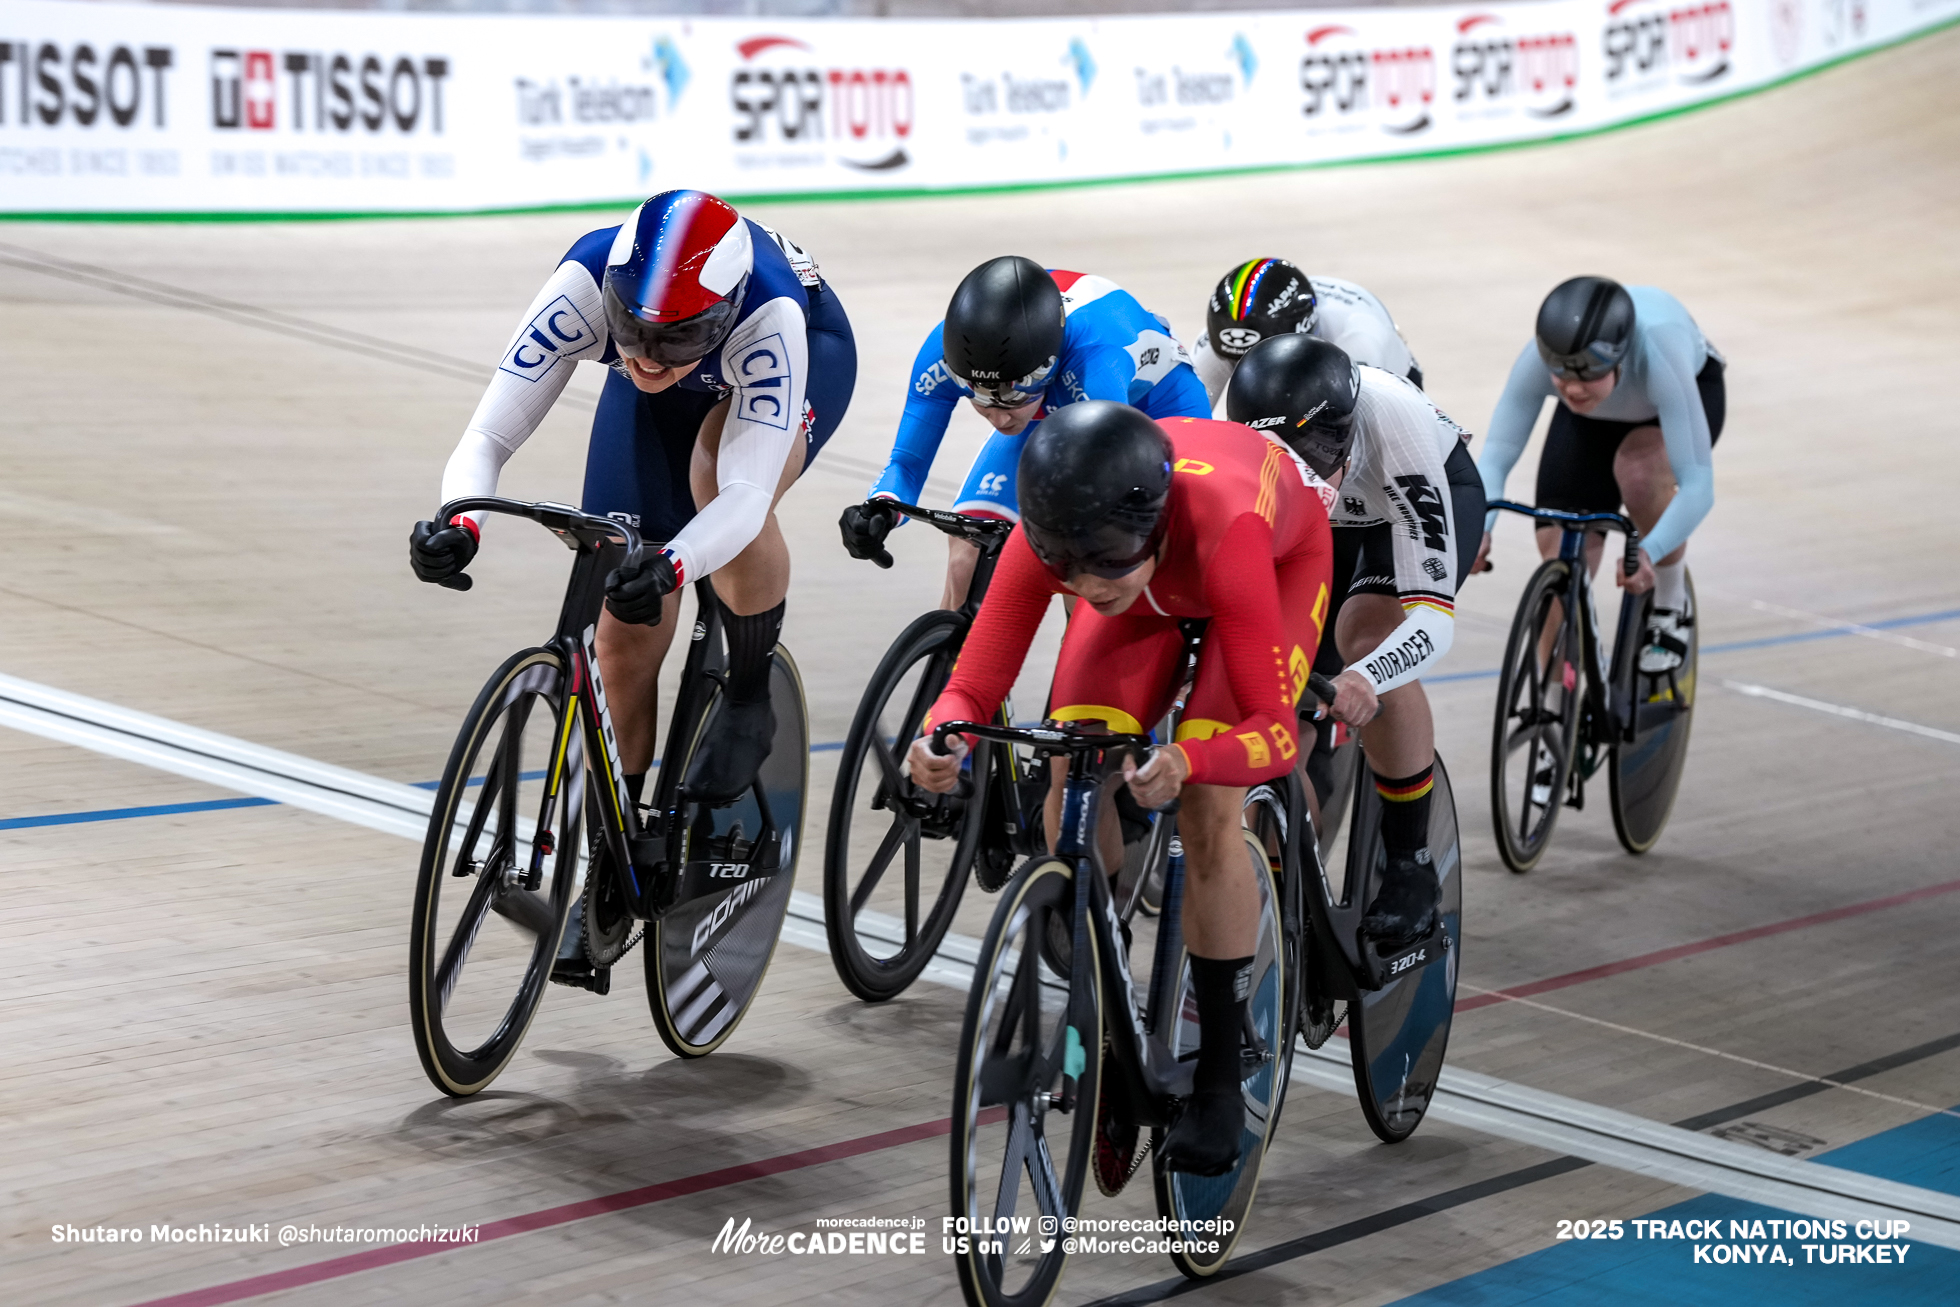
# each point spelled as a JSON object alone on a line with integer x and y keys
{"x": 336, "y": 1267}
{"x": 353, "y": 1263}
{"x": 1704, "y": 946}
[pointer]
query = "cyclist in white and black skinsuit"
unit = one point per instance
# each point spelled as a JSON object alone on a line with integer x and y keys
{"x": 1407, "y": 491}
{"x": 1271, "y": 297}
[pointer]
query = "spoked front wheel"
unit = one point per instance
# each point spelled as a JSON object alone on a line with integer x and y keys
{"x": 1227, "y": 1198}
{"x": 1645, "y": 772}
{"x": 897, "y": 857}
{"x": 1017, "y": 1157}
{"x": 499, "y": 871}
{"x": 706, "y": 958}
{"x": 1537, "y": 728}
{"x": 1398, "y": 1034}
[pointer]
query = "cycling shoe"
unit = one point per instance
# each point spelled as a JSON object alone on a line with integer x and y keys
{"x": 1209, "y": 1133}
{"x": 726, "y": 764}
{"x": 1404, "y": 909}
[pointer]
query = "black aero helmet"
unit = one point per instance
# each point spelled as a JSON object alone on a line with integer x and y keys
{"x": 1301, "y": 389}
{"x": 1257, "y": 300}
{"x": 1585, "y": 326}
{"x": 1093, "y": 481}
{"x": 1003, "y": 331}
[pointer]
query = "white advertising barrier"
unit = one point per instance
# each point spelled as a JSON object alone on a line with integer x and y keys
{"x": 167, "y": 109}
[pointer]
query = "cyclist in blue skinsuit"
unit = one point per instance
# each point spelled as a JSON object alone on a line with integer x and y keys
{"x": 1019, "y": 341}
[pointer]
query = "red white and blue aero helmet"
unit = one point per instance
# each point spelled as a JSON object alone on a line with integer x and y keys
{"x": 675, "y": 277}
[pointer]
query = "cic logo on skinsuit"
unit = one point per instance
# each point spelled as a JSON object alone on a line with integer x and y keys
{"x": 554, "y": 331}
{"x": 1645, "y": 41}
{"x": 1349, "y": 85}
{"x": 860, "y": 116}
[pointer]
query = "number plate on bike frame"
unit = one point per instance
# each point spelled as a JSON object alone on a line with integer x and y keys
{"x": 1404, "y": 959}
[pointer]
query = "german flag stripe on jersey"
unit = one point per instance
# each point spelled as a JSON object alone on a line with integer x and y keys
{"x": 1443, "y": 604}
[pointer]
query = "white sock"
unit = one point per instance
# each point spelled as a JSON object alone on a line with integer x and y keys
{"x": 1671, "y": 586}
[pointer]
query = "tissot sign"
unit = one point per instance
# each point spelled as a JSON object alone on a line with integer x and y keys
{"x": 114, "y": 107}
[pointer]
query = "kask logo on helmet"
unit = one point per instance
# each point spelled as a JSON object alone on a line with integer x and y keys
{"x": 1644, "y": 41}
{"x": 1349, "y": 85}
{"x": 1496, "y": 69}
{"x": 780, "y": 97}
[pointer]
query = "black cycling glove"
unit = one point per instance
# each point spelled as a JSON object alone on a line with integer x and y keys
{"x": 634, "y": 594}
{"x": 440, "y": 554}
{"x": 864, "y": 528}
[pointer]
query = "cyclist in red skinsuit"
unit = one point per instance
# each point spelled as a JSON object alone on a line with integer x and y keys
{"x": 1237, "y": 534}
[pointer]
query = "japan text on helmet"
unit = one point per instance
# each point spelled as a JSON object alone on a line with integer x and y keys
{"x": 1094, "y": 479}
{"x": 1302, "y": 390}
{"x": 1003, "y": 331}
{"x": 1585, "y": 326}
{"x": 1257, "y": 300}
{"x": 675, "y": 277}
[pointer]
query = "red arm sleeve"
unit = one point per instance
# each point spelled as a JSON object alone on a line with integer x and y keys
{"x": 1249, "y": 632}
{"x": 998, "y": 643}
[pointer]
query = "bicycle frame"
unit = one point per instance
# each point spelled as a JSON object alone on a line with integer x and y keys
{"x": 1150, "y": 1075}
{"x": 989, "y": 535}
{"x": 649, "y": 858}
{"x": 1609, "y": 697}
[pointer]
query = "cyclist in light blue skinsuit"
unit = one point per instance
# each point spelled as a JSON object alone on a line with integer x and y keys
{"x": 1641, "y": 400}
{"x": 1017, "y": 342}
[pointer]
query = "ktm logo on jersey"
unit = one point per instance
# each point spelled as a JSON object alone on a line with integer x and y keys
{"x": 1196, "y": 467}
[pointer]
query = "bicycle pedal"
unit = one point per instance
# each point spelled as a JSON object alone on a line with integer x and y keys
{"x": 580, "y": 974}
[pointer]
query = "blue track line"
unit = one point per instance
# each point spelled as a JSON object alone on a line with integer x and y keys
{"x": 119, "y": 814}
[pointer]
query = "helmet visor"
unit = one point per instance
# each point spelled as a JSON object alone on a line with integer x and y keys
{"x": 1112, "y": 550}
{"x": 1322, "y": 445}
{"x": 1012, "y": 394}
{"x": 1594, "y": 362}
{"x": 670, "y": 344}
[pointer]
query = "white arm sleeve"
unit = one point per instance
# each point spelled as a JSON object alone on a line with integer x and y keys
{"x": 767, "y": 361}
{"x": 564, "y": 324}
{"x": 1211, "y": 369}
{"x": 1404, "y": 479}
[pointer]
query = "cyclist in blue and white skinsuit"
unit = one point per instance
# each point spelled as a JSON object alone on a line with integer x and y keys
{"x": 732, "y": 363}
{"x": 1019, "y": 341}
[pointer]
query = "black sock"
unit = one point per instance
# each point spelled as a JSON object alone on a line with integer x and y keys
{"x": 1405, "y": 811}
{"x": 751, "y": 642}
{"x": 636, "y": 781}
{"x": 1220, "y": 986}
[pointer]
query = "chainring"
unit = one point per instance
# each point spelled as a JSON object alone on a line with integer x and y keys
{"x": 609, "y": 933}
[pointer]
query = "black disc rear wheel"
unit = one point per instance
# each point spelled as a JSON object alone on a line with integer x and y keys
{"x": 706, "y": 958}
{"x": 1398, "y": 1034}
{"x": 896, "y": 857}
{"x": 1539, "y": 700}
{"x": 1645, "y": 772}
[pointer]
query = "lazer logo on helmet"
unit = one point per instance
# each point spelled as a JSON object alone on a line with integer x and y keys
{"x": 556, "y": 330}
{"x": 1239, "y": 338}
{"x": 1258, "y": 424}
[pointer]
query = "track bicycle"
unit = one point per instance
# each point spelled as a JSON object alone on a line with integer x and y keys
{"x": 533, "y": 826}
{"x": 1563, "y": 711}
{"x": 884, "y": 929}
{"x": 1054, "y": 1024}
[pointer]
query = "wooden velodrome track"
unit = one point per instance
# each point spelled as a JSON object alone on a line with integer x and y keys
{"x": 213, "y": 452}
